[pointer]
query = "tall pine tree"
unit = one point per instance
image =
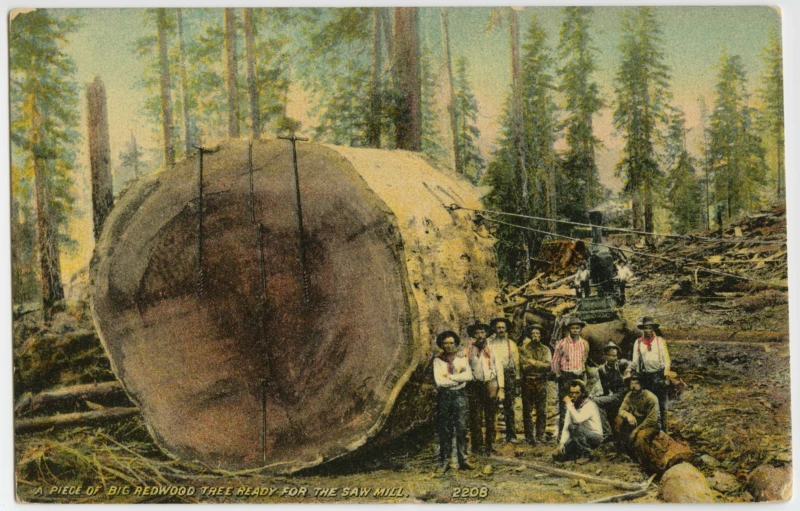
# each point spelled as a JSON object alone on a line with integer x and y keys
{"x": 735, "y": 153}
{"x": 467, "y": 133}
{"x": 641, "y": 86}
{"x": 685, "y": 200}
{"x": 579, "y": 186}
{"x": 771, "y": 95}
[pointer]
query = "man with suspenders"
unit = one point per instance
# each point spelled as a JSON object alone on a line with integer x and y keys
{"x": 507, "y": 355}
{"x": 651, "y": 361}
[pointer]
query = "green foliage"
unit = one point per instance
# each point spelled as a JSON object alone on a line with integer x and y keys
{"x": 466, "y": 107}
{"x": 771, "y": 96}
{"x": 44, "y": 124}
{"x": 641, "y": 86}
{"x": 735, "y": 154}
{"x": 685, "y": 200}
{"x": 431, "y": 135}
{"x": 579, "y": 186}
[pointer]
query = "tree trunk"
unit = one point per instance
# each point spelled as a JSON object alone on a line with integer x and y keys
{"x": 188, "y": 143}
{"x": 374, "y": 119}
{"x": 356, "y": 369}
{"x": 99, "y": 153}
{"x": 386, "y": 25}
{"x": 649, "y": 224}
{"x": 520, "y": 168}
{"x": 231, "y": 66}
{"x": 252, "y": 85}
{"x": 451, "y": 104}
{"x": 406, "y": 68}
{"x": 166, "y": 97}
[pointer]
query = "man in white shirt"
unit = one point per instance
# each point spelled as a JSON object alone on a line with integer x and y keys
{"x": 507, "y": 354}
{"x": 651, "y": 360}
{"x": 583, "y": 428}
{"x": 451, "y": 371}
{"x": 485, "y": 390}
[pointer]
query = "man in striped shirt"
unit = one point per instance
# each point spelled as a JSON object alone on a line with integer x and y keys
{"x": 569, "y": 362}
{"x": 485, "y": 389}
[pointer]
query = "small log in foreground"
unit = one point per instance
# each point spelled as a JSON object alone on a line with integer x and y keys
{"x": 683, "y": 483}
{"x": 622, "y": 497}
{"x": 74, "y": 419}
{"x": 770, "y": 484}
{"x": 623, "y": 485}
{"x": 97, "y": 392}
{"x": 656, "y": 451}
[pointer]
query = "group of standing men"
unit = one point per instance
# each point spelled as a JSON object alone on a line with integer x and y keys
{"x": 493, "y": 368}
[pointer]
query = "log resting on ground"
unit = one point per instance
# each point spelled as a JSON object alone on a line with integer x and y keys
{"x": 387, "y": 268}
{"x": 683, "y": 483}
{"x": 657, "y": 452}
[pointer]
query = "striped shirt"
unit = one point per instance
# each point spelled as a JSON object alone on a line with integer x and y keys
{"x": 570, "y": 356}
{"x": 651, "y": 360}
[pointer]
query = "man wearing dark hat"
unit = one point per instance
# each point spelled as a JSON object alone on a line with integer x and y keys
{"x": 485, "y": 389}
{"x": 569, "y": 362}
{"x": 639, "y": 411}
{"x": 451, "y": 372}
{"x": 651, "y": 361}
{"x": 534, "y": 358}
{"x": 611, "y": 378}
{"x": 507, "y": 355}
{"x": 583, "y": 429}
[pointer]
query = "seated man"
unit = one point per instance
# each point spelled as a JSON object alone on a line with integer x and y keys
{"x": 583, "y": 428}
{"x": 638, "y": 412}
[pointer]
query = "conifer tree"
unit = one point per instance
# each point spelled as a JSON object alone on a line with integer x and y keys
{"x": 467, "y": 133}
{"x": 642, "y": 97}
{"x": 579, "y": 186}
{"x": 735, "y": 152}
{"x": 771, "y": 95}
{"x": 44, "y": 120}
{"x": 431, "y": 134}
{"x": 685, "y": 200}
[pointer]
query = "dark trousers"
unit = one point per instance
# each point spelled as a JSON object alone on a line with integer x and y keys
{"x": 656, "y": 383}
{"x": 482, "y": 407}
{"x": 451, "y": 422}
{"x": 563, "y": 390}
{"x": 581, "y": 441}
{"x": 510, "y": 395}
{"x": 534, "y": 399}
{"x": 609, "y": 404}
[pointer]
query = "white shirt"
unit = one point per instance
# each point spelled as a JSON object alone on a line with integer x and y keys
{"x": 506, "y": 352}
{"x": 455, "y": 380}
{"x": 655, "y": 359}
{"x": 588, "y": 415}
{"x": 484, "y": 365}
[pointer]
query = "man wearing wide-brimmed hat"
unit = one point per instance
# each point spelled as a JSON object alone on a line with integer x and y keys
{"x": 451, "y": 372}
{"x": 534, "y": 358}
{"x": 651, "y": 361}
{"x": 639, "y": 411}
{"x": 485, "y": 389}
{"x": 507, "y": 355}
{"x": 612, "y": 379}
{"x": 569, "y": 362}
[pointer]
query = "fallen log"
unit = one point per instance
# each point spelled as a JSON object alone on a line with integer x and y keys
{"x": 657, "y": 452}
{"x": 74, "y": 419}
{"x": 622, "y": 497}
{"x": 248, "y": 340}
{"x": 683, "y": 483}
{"x": 623, "y": 485}
{"x": 102, "y": 393}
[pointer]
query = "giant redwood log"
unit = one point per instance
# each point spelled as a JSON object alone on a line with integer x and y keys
{"x": 203, "y": 313}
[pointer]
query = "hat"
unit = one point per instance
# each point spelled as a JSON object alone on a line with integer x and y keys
{"x": 493, "y": 323}
{"x": 573, "y": 320}
{"x": 647, "y": 321}
{"x": 633, "y": 375}
{"x": 444, "y": 335}
{"x": 478, "y": 325}
{"x": 535, "y": 326}
{"x": 610, "y": 346}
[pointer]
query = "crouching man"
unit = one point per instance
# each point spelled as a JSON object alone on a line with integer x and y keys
{"x": 583, "y": 429}
{"x": 451, "y": 372}
{"x": 638, "y": 412}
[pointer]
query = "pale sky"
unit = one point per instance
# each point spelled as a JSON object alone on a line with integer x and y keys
{"x": 693, "y": 40}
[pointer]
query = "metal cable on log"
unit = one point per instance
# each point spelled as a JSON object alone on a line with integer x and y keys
{"x": 300, "y": 233}
{"x": 628, "y": 250}
{"x": 454, "y": 207}
{"x": 199, "y": 274}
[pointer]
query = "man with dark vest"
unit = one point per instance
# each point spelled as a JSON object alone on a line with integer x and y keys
{"x": 611, "y": 378}
{"x": 651, "y": 360}
{"x": 451, "y": 371}
{"x": 485, "y": 389}
{"x": 534, "y": 359}
{"x": 507, "y": 355}
{"x": 569, "y": 362}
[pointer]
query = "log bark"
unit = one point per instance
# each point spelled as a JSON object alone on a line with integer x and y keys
{"x": 99, "y": 153}
{"x": 387, "y": 267}
{"x": 657, "y": 452}
{"x": 95, "y": 392}
{"x": 74, "y": 419}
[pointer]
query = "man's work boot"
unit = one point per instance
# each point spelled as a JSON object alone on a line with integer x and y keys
{"x": 466, "y": 465}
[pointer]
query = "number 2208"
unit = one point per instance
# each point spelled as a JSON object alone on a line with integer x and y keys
{"x": 467, "y": 492}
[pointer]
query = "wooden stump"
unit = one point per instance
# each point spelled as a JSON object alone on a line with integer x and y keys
{"x": 656, "y": 451}
{"x": 683, "y": 483}
{"x": 387, "y": 267}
